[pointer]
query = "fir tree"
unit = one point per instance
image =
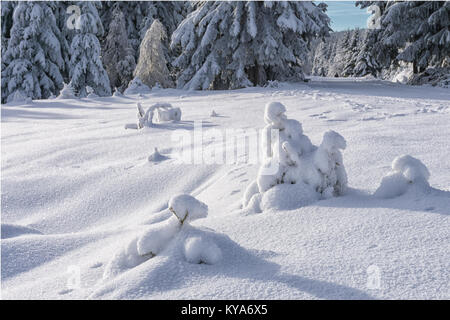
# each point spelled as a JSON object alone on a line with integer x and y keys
{"x": 226, "y": 44}
{"x": 152, "y": 64}
{"x": 118, "y": 56}
{"x": 33, "y": 58}
{"x": 86, "y": 65}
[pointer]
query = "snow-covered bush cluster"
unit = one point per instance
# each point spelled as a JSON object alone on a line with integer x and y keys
{"x": 162, "y": 111}
{"x": 407, "y": 173}
{"x": 295, "y": 172}
{"x": 155, "y": 238}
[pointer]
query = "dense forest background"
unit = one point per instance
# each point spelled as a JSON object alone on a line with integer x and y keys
{"x": 92, "y": 47}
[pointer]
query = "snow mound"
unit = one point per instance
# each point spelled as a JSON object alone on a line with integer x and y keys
{"x": 288, "y": 196}
{"x": 407, "y": 172}
{"x": 156, "y": 156}
{"x": 199, "y": 250}
{"x": 164, "y": 112}
{"x": 13, "y": 230}
{"x": 136, "y": 86}
{"x": 290, "y": 158}
{"x": 413, "y": 169}
{"x": 142, "y": 247}
{"x": 153, "y": 240}
{"x": 168, "y": 113}
{"x": 186, "y": 208}
{"x": 274, "y": 114}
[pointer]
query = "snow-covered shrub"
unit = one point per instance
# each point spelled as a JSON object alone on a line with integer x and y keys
{"x": 186, "y": 208}
{"x": 117, "y": 93}
{"x": 151, "y": 242}
{"x": 168, "y": 114}
{"x": 136, "y": 87}
{"x": 288, "y": 196}
{"x": 198, "y": 250}
{"x": 307, "y": 172}
{"x": 164, "y": 112}
{"x": 90, "y": 92}
{"x": 67, "y": 92}
{"x": 154, "y": 239}
{"x": 328, "y": 160}
{"x": 406, "y": 172}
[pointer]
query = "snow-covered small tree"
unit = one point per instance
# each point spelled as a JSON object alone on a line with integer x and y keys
{"x": 118, "y": 56}
{"x": 227, "y": 44}
{"x": 295, "y": 172}
{"x": 33, "y": 58}
{"x": 152, "y": 65}
{"x": 157, "y": 237}
{"x": 67, "y": 92}
{"x": 86, "y": 65}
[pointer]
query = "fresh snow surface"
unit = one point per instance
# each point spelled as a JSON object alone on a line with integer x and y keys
{"x": 78, "y": 190}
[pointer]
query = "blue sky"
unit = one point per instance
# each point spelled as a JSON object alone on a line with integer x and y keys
{"x": 344, "y": 15}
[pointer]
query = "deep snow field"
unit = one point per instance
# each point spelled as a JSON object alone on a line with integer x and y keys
{"x": 77, "y": 187}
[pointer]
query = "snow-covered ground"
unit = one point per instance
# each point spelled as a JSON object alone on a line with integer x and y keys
{"x": 77, "y": 187}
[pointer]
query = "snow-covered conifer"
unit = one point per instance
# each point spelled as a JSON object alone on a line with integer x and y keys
{"x": 33, "y": 58}
{"x": 221, "y": 42}
{"x": 86, "y": 65}
{"x": 117, "y": 55}
{"x": 152, "y": 65}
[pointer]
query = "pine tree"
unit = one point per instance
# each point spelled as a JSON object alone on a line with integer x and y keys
{"x": 139, "y": 16}
{"x": 152, "y": 64}
{"x": 66, "y": 35}
{"x": 86, "y": 65}
{"x": 424, "y": 26}
{"x": 33, "y": 58}
{"x": 118, "y": 56}
{"x": 237, "y": 44}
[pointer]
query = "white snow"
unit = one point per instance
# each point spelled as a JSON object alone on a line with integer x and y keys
{"x": 407, "y": 172}
{"x": 136, "y": 87}
{"x": 198, "y": 250}
{"x": 186, "y": 208}
{"x": 83, "y": 184}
